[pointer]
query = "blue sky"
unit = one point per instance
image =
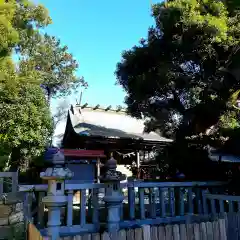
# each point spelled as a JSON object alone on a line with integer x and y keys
{"x": 96, "y": 32}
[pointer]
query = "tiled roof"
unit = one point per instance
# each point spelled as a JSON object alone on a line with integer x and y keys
{"x": 110, "y": 123}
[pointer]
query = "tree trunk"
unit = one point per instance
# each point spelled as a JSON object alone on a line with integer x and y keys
{"x": 14, "y": 162}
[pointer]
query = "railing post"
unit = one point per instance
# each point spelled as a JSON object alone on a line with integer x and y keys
{"x": 113, "y": 196}
{"x": 55, "y": 199}
{"x": 15, "y": 181}
{"x": 131, "y": 199}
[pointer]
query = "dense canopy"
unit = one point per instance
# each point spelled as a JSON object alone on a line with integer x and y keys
{"x": 44, "y": 69}
{"x": 184, "y": 78}
{"x": 183, "y": 75}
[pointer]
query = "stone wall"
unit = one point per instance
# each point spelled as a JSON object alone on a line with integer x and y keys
{"x": 12, "y": 217}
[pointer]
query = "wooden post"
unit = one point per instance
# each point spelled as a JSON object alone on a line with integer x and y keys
{"x": 138, "y": 164}
{"x": 138, "y": 159}
{"x": 98, "y": 170}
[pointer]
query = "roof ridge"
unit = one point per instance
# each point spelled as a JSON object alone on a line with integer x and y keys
{"x": 108, "y": 108}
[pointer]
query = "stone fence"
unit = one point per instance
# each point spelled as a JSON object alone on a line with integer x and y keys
{"x": 12, "y": 225}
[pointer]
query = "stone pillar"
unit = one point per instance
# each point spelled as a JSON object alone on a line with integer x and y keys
{"x": 113, "y": 196}
{"x": 55, "y": 200}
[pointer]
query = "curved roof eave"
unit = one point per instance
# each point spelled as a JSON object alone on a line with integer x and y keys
{"x": 91, "y": 122}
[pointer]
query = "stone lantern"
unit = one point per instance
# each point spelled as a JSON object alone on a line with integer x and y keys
{"x": 55, "y": 174}
{"x": 113, "y": 194}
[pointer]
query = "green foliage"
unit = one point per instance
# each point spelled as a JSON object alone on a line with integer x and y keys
{"x": 8, "y": 35}
{"x": 45, "y": 69}
{"x": 43, "y": 55}
{"x": 183, "y": 76}
{"x": 27, "y": 117}
{"x": 55, "y": 66}
{"x": 180, "y": 76}
{"x": 26, "y": 122}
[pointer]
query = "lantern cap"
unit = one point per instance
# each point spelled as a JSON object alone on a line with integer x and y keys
{"x": 111, "y": 174}
{"x": 56, "y": 174}
{"x": 54, "y": 156}
{"x": 111, "y": 164}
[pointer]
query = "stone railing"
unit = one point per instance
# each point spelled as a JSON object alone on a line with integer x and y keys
{"x": 112, "y": 205}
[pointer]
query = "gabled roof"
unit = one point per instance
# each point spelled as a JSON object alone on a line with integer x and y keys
{"x": 109, "y": 123}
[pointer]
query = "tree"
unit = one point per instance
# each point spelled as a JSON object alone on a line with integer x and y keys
{"x": 41, "y": 54}
{"x": 183, "y": 67}
{"x": 181, "y": 78}
{"x": 8, "y": 35}
{"x": 55, "y": 66}
{"x": 45, "y": 69}
{"x": 26, "y": 123}
{"x": 59, "y": 115}
{"x": 60, "y": 112}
